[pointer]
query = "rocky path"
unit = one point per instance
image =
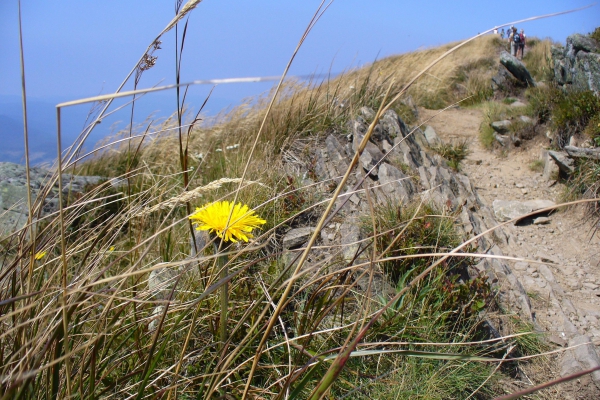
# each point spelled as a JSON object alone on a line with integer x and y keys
{"x": 563, "y": 279}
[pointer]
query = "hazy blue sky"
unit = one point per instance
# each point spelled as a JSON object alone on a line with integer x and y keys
{"x": 82, "y": 48}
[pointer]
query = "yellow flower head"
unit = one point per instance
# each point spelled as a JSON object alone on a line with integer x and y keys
{"x": 213, "y": 217}
{"x": 111, "y": 248}
{"x": 39, "y": 255}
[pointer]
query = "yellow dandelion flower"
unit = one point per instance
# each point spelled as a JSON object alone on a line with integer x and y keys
{"x": 111, "y": 248}
{"x": 39, "y": 255}
{"x": 213, "y": 217}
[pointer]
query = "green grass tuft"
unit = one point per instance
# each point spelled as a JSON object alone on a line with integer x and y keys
{"x": 454, "y": 152}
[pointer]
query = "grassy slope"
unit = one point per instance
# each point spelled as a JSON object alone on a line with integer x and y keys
{"x": 112, "y": 243}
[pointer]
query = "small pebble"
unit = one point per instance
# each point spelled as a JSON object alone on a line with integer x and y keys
{"x": 541, "y": 221}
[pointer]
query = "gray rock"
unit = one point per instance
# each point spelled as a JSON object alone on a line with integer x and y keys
{"x": 431, "y": 137}
{"x": 580, "y": 152}
{"x": 393, "y": 125}
{"x": 419, "y": 137}
{"x": 526, "y": 119}
{"x": 358, "y": 128}
{"x": 155, "y": 318}
{"x": 331, "y": 160}
{"x": 367, "y": 113}
{"x": 518, "y": 104}
{"x": 395, "y": 184}
{"x": 500, "y": 139}
{"x": 297, "y": 237}
{"x": 502, "y": 127}
{"x": 585, "y": 43}
{"x": 521, "y": 266}
{"x": 551, "y": 169}
{"x": 586, "y": 74}
{"x": 565, "y": 164}
{"x": 516, "y": 68}
{"x": 516, "y": 140}
{"x": 161, "y": 281}
{"x": 505, "y": 210}
{"x": 539, "y": 204}
{"x": 557, "y": 340}
{"x": 201, "y": 239}
{"x": 578, "y": 63}
{"x": 369, "y": 159}
{"x": 350, "y": 239}
{"x": 546, "y": 273}
{"x": 582, "y": 357}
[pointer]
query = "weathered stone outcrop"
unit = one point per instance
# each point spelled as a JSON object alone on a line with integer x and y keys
{"x": 402, "y": 170}
{"x": 577, "y": 64}
{"x": 579, "y": 152}
{"x": 516, "y": 68}
{"x": 13, "y": 193}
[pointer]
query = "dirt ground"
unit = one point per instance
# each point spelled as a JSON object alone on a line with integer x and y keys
{"x": 566, "y": 294}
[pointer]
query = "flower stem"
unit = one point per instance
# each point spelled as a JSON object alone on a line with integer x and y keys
{"x": 222, "y": 265}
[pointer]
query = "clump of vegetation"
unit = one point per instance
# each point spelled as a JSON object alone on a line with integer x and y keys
{"x": 592, "y": 130}
{"x": 569, "y": 112}
{"x": 472, "y": 82}
{"x": 538, "y": 59}
{"x": 596, "y": 34}
{"x": 539, "y": 101}
{"x": 536, "y": 166}
{"x": 585, "y": 183}
{"x": 572, "y": 112}
{"x": 496, "y": 111}
{"x": 454, "y": 152}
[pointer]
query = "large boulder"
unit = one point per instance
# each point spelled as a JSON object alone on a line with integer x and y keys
{"x": 564, "y": 162}
{"x": 578, "y": 63}
{"x": 585, "y": 43}
{"x": 505, "y": 210}
{"x": 516, "y": 68}
{"x": 586, "y": 74}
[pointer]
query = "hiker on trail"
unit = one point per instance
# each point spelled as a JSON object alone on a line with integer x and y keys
{"x": 521, "y": 47}
{"x": 514, "y": 40}
{"x": 495, "y": 31}
{"x": 502, "y": 34}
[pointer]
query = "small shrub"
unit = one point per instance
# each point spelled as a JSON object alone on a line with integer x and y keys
{"x": 454, "y": 153}
{"x": 471, "y": 83}
{"x": 540, "y": 101}
{"x": 486, "y": 135}
{"x": 433, "y": 101}
{"x": 596, "y": 34}
{"x": 573, "y": 112}
{"x": 585, "y": 183}
{"x": 522, "y": 129}
{"x": 592, "y": 130}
